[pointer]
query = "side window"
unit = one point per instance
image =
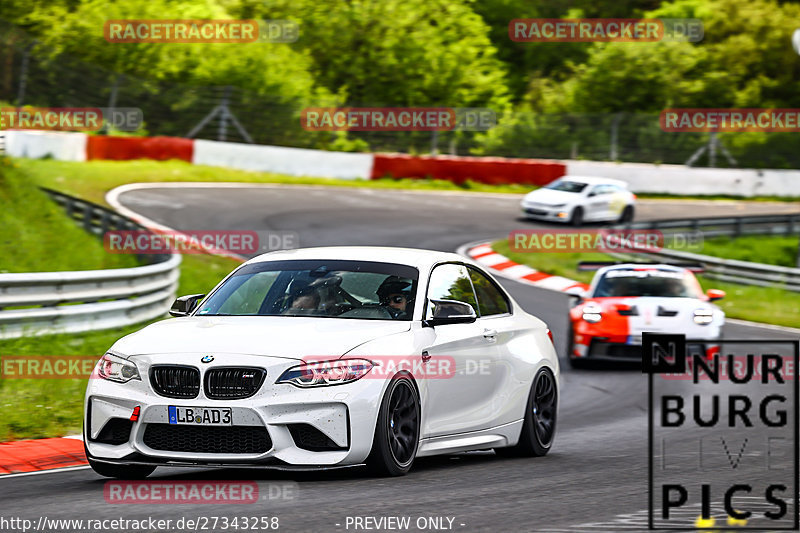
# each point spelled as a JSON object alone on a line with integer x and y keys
{"x": 450, "y": 282}
{"x": 490, "y": 300}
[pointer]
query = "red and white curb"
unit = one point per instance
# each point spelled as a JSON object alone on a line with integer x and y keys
{"x": 484, "y": 254}
{"x": 31, "y": 456}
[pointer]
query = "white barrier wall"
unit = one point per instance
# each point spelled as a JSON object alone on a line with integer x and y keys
{"x": 679, "y": 179}
{"x": 37, "y": 144}
{"x": 292, "y": 161}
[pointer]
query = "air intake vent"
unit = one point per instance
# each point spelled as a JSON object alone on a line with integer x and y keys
{"x": 116, "y": 431}
{"x": 230, "y": 383}
{"x": 207, "y": 439}
{"x": 175, "y": 381}
{"x": 307, "y": 437}
{"x": 662, "y": 311}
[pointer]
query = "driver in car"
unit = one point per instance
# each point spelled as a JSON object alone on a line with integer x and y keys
{"x": 306, "y": 299}
{"x": 395, "y": 295}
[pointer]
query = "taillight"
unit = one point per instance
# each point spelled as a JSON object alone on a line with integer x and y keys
{"x": 550, "y": 334}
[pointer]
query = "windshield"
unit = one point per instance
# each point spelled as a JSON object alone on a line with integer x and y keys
{"x": 661, "y": 283}
{"x": 341, "y": 289}
{"x": 566, "y": 186}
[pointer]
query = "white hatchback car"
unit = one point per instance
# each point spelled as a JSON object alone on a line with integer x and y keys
{"x": 577, "y": 199}
{"x": 328, "y": 357}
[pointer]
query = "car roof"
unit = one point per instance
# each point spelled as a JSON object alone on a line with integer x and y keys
{"x": 416, "y": 257}
{"x": 593, "y": 180}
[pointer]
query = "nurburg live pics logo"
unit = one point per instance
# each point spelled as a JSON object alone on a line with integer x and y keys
{"x": 722, "y": 444}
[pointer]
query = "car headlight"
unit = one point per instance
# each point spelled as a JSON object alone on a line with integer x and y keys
{"x": 592, "y": 313}
{"x": 324, "y": 373}
{"x": 557, "y": 206}
{"x": 703, "y": 317}
{"x": 115, "y": 368}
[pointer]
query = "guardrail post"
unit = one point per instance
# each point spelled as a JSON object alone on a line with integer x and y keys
{"x": 87, "y": 218}
{"x": 737, "y": 228}
{"x": 104, "y": 220}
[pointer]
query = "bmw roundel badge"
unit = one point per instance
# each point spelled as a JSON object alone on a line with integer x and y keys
{"x": 207, "y": 359}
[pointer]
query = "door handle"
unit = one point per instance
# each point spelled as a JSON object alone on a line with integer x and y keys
{"x": 490, "y": 334}
{"x": 426, "y": 356}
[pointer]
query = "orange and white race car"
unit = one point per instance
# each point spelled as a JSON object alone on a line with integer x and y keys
{"x": 624, "y": 300}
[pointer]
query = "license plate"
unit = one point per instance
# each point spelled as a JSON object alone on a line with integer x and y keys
{"x": 203, "y": 416}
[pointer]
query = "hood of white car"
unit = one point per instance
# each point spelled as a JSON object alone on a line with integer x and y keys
{"x": 278, "y": 336}
{"x": 551, "y": 197}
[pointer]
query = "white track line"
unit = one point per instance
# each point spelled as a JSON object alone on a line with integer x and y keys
{"x": 39, "y": 472}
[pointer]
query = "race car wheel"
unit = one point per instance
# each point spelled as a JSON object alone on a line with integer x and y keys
{"x": 121, "y": 471}
{"x": 539, "y": 425}
{"x": 577, "y": 216}
{"x": 627, "y": 215}
{"x": 394, "y": 446}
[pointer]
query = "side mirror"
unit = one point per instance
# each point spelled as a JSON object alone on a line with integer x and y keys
{"x": 715, "y": 294}
{"x": 593, "y": 193}
{"x": 184, "y": 305}
{"x": 450, "y": 312}
{"x": 576, "y": 295}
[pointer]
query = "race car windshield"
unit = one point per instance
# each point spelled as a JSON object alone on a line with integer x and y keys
{"x": 566, "y": 186}
{"x": 339, "y": 289}
{"x": 660, "y": 283}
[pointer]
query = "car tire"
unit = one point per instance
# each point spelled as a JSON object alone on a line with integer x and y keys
{"x": 394, "y": 446}
{"x": 573, "y": 361}
{"x": 121, "y": 471}
{"x": 627, "y": 215}
{"x": 577, "y": 217}
{"x": 539, "y": 425}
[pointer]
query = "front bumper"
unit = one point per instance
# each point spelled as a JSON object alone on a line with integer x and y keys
{"x": 629, "y": 348}
{"x": 541, "y": 212}
{"x": 272, "y": 428}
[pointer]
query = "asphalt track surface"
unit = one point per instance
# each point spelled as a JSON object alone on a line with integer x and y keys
{"x": 594, "y": 479}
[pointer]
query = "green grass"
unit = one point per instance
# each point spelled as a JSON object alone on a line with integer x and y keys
{"x": 772, "y": 250}
{"x": 760, "y": 304}
{"x": 36, "y": 235}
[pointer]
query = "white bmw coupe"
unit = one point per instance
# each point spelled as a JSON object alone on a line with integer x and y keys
{"x": 327, "y": 357}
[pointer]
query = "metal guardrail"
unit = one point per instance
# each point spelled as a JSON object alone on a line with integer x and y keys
{"x": 731, "y": 270}
{"x": 69, "y": 302}
{"x": 2, "y": 143}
